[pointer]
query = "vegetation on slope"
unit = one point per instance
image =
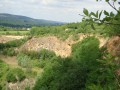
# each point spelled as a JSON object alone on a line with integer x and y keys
{"x": 22, "y": 21}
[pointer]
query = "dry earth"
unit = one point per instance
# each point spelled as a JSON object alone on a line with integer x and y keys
{"x": 9, "y": 60}
{"x": 61, "y": 48}
{"x": 51, "y": 43}
{"x": 6, "y": 38}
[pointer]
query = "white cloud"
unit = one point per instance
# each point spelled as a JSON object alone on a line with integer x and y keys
{"x": 59, "y": 10}
{"x": 46, "y": 2}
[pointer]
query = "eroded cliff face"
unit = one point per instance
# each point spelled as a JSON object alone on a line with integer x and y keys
{"x": 113, "y": 46}
{"x": 61, "y": 48}
{"x": 52, "y": 43}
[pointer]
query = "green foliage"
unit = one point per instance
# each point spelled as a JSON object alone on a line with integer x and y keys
{"x": 86, "y": 12}
{"x": 23, "y": 60}
{"x": 46, "y": 54}
{"x": 30, "y": 59}
{"x": 111, "y": 21}
{"x": 88, "y": 49}
{"x": 22, "y": 21}
{"x": 27, "y": 88}
{"x": 62, "y": 32}
{"x": 3, "y": 69}
{"x": 9, "y": 52}
{"x": 8, "y": 48}
{"x": 61, "y": 74}
{"x": 114, "y": 29}
{"x": 42, "y": 54}
{"x": 75, "y": 37}
{"x": 16, "y": 43}
{"x": 15, "y": 75}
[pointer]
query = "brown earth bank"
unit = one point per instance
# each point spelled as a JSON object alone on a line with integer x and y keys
{"x": 61, "y": 48}
{"x": 52, "y": 43}
{"x": 113, "y": 46}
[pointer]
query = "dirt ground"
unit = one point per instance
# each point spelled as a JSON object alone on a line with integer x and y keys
{"x": 9, "y": 60}
{"x": 6, "y": 38}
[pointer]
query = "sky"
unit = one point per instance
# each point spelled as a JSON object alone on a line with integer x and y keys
{"x": 56, "y": 10}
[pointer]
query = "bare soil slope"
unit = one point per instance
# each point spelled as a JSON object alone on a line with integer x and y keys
{"x": 61, "y": 48}
{"x": 51, "y": 43}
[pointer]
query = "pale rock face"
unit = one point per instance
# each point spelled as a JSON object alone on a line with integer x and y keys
{"x": 61, "y": 48}
{"x": 52, "y": 43}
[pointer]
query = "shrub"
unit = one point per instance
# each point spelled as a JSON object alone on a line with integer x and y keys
{"x": 15, "y": 75}
{"x": 27, "y": 88}
{"x": 46, "y": 54}
{"x": 3, "y": 69}
{"x": 0, "y": 87}
{"x": 42, "y": 54}
{"x": 61, "y": 74}
{"x": 75, "y": 37}
{"x": 9, "y": 52}
{"x": 15, "y": 43}
{"x": 8, "y": 48}
{"x": 87, "y": 50}
{"x": 23, "y": 60}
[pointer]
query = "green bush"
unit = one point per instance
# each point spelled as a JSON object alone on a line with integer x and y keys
{"x": 8, "y": 48}
{"x": 0, "y": 87}
{"x": 42, "y": 54}
{"x": 61, "y": 74}
{"x": 27, "y": 88}
{"x": 9, "y": 52}
{"x": 75, "y": 37}
{"x": 23, "y": 60}
{"x": 15, "y": 43}
{"x": 37, "y": 59}
{"x": 15, "y": 75}
{"x": 46, "y": 54}
{"x": 86, "y": 50}
{"x": 3, "y": 70}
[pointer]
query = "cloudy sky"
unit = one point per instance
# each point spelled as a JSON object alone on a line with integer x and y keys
{"x": 57, "y": 10}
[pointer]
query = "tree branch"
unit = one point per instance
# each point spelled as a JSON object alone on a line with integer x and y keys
{"x": 113, "y": 6}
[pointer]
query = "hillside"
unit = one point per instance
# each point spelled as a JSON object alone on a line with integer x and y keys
{"x": 23, "y": 21}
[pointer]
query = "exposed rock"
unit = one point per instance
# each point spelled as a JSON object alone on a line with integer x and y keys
{"x": 113, "y": 46}
{"x": 61, "y": 48}
{"x": 50, "y": 43}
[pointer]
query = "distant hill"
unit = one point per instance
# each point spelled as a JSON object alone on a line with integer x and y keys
{"x": 10, "y": 20}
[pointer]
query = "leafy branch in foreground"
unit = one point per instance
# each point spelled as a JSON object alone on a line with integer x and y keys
{"x": 97, "y": 17}
{"x": 104, "y": 17}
